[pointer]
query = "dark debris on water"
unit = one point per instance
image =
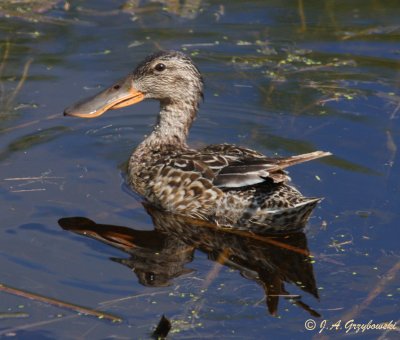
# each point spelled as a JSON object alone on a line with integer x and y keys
{"x": 163, "y": 328}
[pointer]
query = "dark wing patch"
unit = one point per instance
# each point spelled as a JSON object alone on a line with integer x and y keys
{"x": 237, "y": 167}
{"x": 249, "y": 172}
{"x": 248, "y": 167}
{"x": 240, "y": 174}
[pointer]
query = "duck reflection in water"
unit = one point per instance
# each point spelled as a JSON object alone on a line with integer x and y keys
{"x": 160, "y": 255}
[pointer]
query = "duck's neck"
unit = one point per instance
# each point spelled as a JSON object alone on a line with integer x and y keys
{"x": 171, "y": 130}
{"x": 169, "y": 135}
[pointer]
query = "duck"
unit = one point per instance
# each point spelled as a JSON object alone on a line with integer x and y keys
{"x": 225, "y": 184}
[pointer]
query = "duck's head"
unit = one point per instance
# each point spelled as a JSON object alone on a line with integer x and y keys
{"x": 168, "y": 76}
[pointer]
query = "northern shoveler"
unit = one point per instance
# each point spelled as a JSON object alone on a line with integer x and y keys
{"x": 226, "y": 184}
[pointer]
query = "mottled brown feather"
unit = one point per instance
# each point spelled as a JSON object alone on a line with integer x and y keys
{"x": 226, "y": 184}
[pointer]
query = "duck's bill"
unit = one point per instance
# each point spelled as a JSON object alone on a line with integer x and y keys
{"x": 117, "y": 96}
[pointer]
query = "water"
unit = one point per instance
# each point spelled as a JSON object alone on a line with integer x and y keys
{"x": 281, "y": 77}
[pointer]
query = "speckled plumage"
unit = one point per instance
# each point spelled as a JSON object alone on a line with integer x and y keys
{"x": 225, "y": 184}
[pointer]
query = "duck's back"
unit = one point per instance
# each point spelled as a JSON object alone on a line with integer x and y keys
{"x": 225, "y": 184}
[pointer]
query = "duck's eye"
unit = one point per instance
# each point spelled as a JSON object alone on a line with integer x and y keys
{"x": 150, "y": 277}
{"x": 160, "y": 67}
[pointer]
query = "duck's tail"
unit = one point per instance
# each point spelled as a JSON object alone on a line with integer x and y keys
{"x": 305, "y": 157}
{"x": 286, "y": 219}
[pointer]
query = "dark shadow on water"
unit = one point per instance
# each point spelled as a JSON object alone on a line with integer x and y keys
{"x": 160, "y": 255}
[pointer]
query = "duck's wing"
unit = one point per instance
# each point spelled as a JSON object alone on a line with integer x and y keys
{"x": 236, "y": 167}
{"x": 229, "y": 166}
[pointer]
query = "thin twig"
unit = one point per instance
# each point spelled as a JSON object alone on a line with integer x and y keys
{"x": 392, "y": 148}
{"x": 32, "y": 122}
{"x": 394, "y": 113}
{"x": 35, "y": 324}
{"x": 15, "y": 315}
{"x": 31, "y": 178}
{"x": 303, "y": 26}
{"x": 59, "y": 303}
{"x": 131, "y": 297}
{"x": 21, "y": 82}
{"x": 5, "y": 56}
{"x": 213, "y": 273}
{"x": 2, "y": 66}
{"x": 384, "y": 281}
{"x": 29, "y": 190}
